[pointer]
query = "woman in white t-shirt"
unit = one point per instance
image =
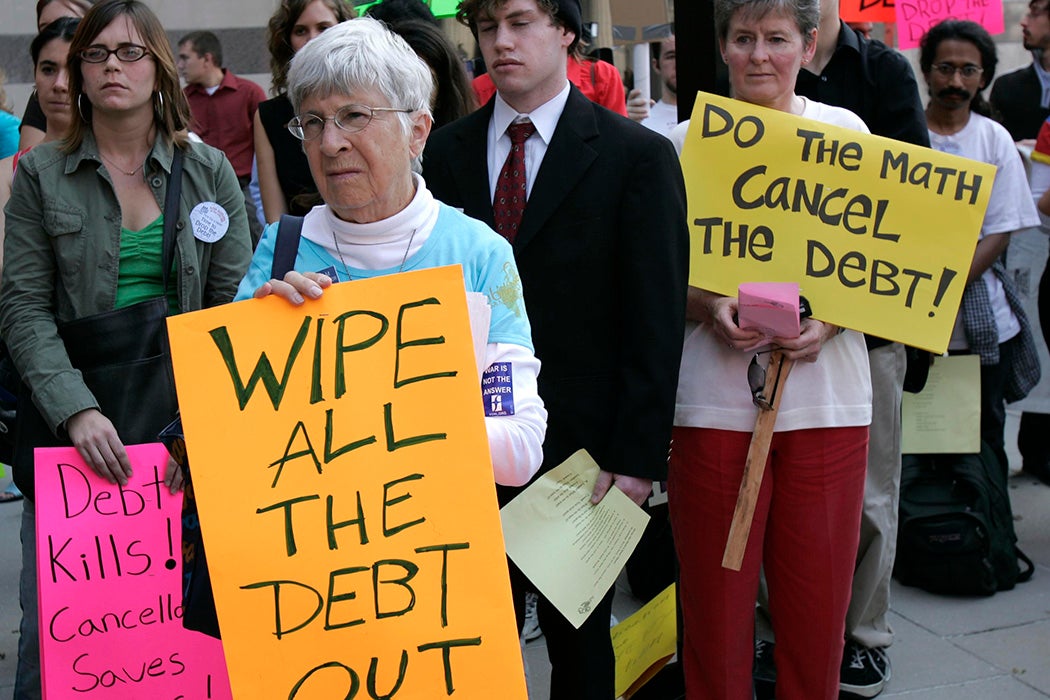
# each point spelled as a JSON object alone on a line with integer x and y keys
{"x": 807, "y": 520}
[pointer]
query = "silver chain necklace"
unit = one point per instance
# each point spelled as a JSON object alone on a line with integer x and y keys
{"x": 404, "y": 258}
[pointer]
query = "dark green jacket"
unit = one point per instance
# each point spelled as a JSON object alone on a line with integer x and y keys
{"x": 61, "y": 255}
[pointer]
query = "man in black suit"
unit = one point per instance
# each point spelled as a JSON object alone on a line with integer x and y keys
{"x": 602, "y": 249}
{"x": 1022, "y": 98}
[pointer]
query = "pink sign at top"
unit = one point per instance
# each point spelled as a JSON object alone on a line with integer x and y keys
{"x": 109, "y": 577}
{"x": 914, "y": 17}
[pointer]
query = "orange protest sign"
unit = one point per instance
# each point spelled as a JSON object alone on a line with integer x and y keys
{"x": 867, "y": 10}
{"x": 341, "y": 466}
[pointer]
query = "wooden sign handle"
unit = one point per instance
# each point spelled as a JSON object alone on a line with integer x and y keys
{"x": 755, "y": 466}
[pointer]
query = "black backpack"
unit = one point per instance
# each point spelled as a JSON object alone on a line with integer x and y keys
{"x": 956, "y": 529}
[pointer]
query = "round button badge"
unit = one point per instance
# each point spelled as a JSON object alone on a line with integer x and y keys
{"x": 210, "y": 222}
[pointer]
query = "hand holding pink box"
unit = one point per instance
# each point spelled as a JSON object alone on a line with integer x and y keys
{"x": 769, "y": 307}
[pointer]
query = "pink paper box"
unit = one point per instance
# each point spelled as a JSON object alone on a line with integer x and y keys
{"x": 769, "y": 307}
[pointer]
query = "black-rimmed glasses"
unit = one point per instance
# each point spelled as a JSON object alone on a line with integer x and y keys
{"x": 126, "y": 53}
{"x": 351, "y": 118}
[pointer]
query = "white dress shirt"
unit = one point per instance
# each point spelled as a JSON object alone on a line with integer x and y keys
{"x": 544, "y": 118}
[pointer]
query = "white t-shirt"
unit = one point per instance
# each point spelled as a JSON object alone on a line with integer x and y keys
{"x": 834, "y": 391}
{"x": 1010, "y": 206}
{"x": 678, "y": 134}
{"x": 662, "y": 118}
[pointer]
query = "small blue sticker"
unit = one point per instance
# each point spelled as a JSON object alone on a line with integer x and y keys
{"x": 330, "y": 271}
{"x": 497, "y": 389}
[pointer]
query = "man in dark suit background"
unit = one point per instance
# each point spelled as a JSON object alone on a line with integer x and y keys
{"x": 1022, "y": 97}
{"x": 602, "y": 249}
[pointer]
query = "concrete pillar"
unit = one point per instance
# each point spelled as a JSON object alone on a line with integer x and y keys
{"x": 598, "y": 11}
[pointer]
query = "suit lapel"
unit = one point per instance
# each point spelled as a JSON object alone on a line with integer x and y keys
{"x": 568, "y": 157}
{"x": 469, "y": 165}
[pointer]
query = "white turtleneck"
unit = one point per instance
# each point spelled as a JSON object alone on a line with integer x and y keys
{"x": 378, "y": 245}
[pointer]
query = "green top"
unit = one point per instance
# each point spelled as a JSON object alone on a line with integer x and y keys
{"x": 63, "y": 245}
{"x": 140, "y": 273}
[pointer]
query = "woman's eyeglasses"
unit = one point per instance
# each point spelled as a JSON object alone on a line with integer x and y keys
{"x": 756, "y": 380}
{"x": 351, "y": 118}
{"x": 126, "y": 53}
{"x": 756, "y": 373}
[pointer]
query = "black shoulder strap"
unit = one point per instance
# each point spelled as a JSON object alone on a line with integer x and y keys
{"x": 286, "y": 247}
{"x": 1028, "y": 569}
{"x": 171, "y": 214}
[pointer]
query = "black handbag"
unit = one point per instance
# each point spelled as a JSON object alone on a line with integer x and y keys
{"x": 198, "y": 601}
{"x": 8, "y": 405}
{"x": 125, "y": 361}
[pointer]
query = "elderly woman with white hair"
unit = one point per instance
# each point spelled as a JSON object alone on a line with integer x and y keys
{"x": 361, "y": 97}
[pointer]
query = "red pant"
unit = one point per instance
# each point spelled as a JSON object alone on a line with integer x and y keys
{"x": 805, "y": 532}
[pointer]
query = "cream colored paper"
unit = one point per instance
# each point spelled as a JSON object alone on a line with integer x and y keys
{"x": 645, "y": 642}
{"x": 572, "y": 551}
{"x": 946, "y": 415}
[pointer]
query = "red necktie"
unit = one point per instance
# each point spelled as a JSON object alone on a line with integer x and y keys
{"x": 508, "y": 205}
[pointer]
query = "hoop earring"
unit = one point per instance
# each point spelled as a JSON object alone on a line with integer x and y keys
{"x": 158, "y": 104}
{"x": 80, "y": 109}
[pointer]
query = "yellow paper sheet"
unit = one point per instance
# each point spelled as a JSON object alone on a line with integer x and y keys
{"x": 878, "y": 233}
{"x": 341, "y": 466}
{"x": 946, "y": 415}
{"x": 645, "y": 641}
{"x": 572, "y": 551}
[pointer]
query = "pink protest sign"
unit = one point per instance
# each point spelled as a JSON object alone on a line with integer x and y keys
{"x": 914, "y": 17}
{"x": 109, "y": 579}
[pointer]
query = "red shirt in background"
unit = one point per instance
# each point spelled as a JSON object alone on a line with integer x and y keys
{"x": 224, "y": 119}
{"x": 599, "y": 81}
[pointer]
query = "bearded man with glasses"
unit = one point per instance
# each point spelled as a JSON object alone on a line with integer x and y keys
{"x": 958, "y": 61}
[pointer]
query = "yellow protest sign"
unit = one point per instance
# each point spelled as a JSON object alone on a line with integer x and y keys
{"x": 645, "y": 642}
{"x": 341, "y": 467}
{"x": 878, "y": 233}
